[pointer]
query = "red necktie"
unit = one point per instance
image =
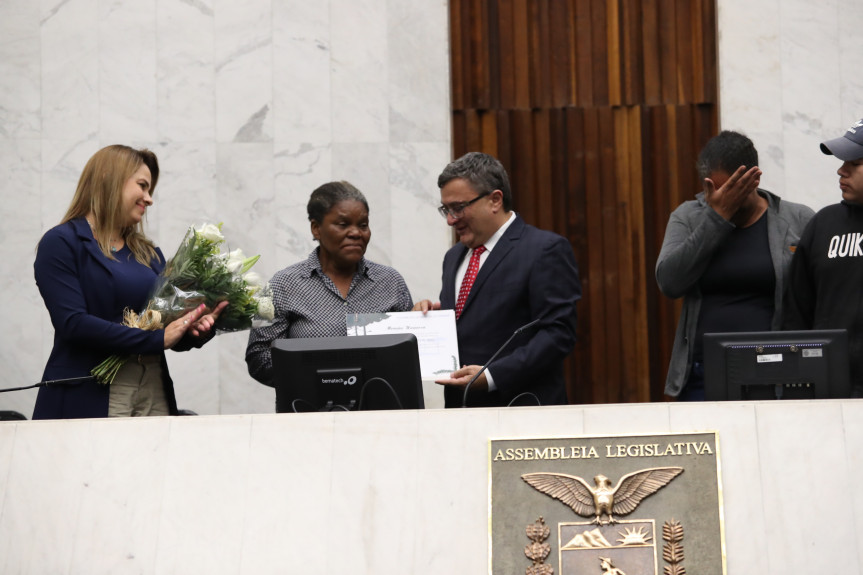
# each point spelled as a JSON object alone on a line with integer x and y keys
{"x": 469, "y": 277}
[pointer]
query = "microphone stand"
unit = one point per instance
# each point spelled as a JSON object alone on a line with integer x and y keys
{"x": 500, "y": 349}
{"x": 50, "y": 382}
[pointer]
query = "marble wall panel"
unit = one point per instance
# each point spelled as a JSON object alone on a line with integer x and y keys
{"x": 771, "y": 157}
{"x": 414, "y": 111}
{"x": 195, "y": 374}
{"x": 217, "y": 469}
{"x": 47, "y": 545}
{"x": 375, "y": 512}
{"x": 127, "y": 71}
{"x": 413, "y": 173}
{"x": 808, "y": 77}
{"x": 359, "y": 76}
{"x": 850, "y": 48}
{"x": 740, "y": 476}
{"x": 386, "y": 492}
{"x": 597, "y": 421}
{"x": 187, "y": 193}
{"x": 454, "y": 454}
{"x": 299, "y": 170}
{"x": 185, "y": 71}
{"x": 62, "y": 163}
{"x": 810, "y": 104}
{"x": 245, "y": 174}
{"x": 302, "y": 92}
{"x": 22, "y": 162}
{"x": 244, "y": 71}
{"x": 788, "y": 78}
{"x": 531, "y": 420}
{"x": 238, "y": 392}
{"x": 70, "y": 69}
{"x": 7, "y": 443}
{"x": 107, "y": 499}
{"x": 750, "y": 62}
{"x": 366, "y": 165}
{"x": 278, "y": 516}
{"x": 852, "y": 422}
{"x": 790, "y": 471}
{"x": 20, "y": 70}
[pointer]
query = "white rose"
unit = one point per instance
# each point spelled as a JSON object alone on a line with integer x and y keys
{"x": 254, "y": 281}
{"x": 234, "y": 260}
{"x": 210, "y": 232}
{"x": 265, "y": 308}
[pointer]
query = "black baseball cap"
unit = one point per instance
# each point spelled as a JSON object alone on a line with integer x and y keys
{"x": 847, "y": 148}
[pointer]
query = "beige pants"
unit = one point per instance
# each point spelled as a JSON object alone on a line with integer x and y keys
{"x": 137, "y": 390}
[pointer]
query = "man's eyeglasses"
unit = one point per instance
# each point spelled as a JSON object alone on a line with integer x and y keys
{"x": 457, "y": 210}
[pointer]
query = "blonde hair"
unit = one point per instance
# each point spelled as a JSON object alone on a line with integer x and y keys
{"x": 100, "y": 192}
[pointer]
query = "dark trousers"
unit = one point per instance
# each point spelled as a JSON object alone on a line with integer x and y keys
{"x": 694, "y": 388}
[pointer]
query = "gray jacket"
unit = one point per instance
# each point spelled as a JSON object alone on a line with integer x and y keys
{"x": 693, "y": 234}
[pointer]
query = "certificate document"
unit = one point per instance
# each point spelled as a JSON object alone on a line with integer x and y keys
{"x": 435, "y": 333}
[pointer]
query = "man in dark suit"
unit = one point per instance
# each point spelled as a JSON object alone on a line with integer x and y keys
{"x": 503, "y": 274}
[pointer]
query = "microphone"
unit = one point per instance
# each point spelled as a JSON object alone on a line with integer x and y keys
{"x": 50, "y": 382}
{"x": 500, "y": 349}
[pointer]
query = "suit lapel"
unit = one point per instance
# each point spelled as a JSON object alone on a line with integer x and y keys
{"x": 82, "y": 230}
{"x": 501, "y": 251}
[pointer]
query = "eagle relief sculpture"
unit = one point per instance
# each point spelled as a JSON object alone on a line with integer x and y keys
{"x": 603, "y": 500}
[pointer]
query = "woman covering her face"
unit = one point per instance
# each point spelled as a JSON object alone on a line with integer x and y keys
{"x": 313, "y": 297}
{"x": 90, "y": 268}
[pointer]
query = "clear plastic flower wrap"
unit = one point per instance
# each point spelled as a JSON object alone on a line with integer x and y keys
{"x": 200, "y": 273}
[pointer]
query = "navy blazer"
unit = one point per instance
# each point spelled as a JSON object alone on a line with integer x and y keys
{"x": 77, "y": 285}
{"x": 530, "y": 274}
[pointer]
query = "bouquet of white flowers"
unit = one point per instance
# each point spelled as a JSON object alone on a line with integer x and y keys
{"x": 199, "y": 273}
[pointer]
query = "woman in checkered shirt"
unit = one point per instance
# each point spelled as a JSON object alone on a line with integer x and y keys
{"x": 313, "y": 297}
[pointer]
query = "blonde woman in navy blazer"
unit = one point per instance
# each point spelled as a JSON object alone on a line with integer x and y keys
{"x": 93, "y": 265}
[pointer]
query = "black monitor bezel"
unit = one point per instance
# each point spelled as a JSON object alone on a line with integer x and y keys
{"x": 717, "y": 386}
{"x": 398, "y": 365}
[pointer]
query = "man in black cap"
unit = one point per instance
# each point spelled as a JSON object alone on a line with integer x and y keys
{"x": 826, "y": 286}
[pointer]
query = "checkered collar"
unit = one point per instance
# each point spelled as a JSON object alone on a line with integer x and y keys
{"x": 313, "y": 266}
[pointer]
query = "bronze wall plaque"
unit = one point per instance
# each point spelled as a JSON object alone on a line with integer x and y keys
{"x": 621, "y": 505}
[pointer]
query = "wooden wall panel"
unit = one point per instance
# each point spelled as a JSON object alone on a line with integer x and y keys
{"x": 599, "y": 52}
{"x": 650, "y": 52}
{"x": 560, "y": 37}
{"x": 521, "y": 50}
{"x": 597, "y": 108}
{"x": 507, "y": 54}
{"x": 457, "y": 56}
{"x": 684, "y": 33}
{"x": 632, "y": 51}
{"x": 542, "y": 188}
{"x": 708, "y": 62}
{"x": 582, "y": 51}
{"x": 667, "y": 32}
{"x": 657, "y": 176}
{"x": 615, "y": 62}
{"x": 594, "y": 335}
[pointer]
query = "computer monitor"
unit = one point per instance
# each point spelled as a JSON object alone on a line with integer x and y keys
{"x": 347, "y": 373}
{"x": 776, "y": 365}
